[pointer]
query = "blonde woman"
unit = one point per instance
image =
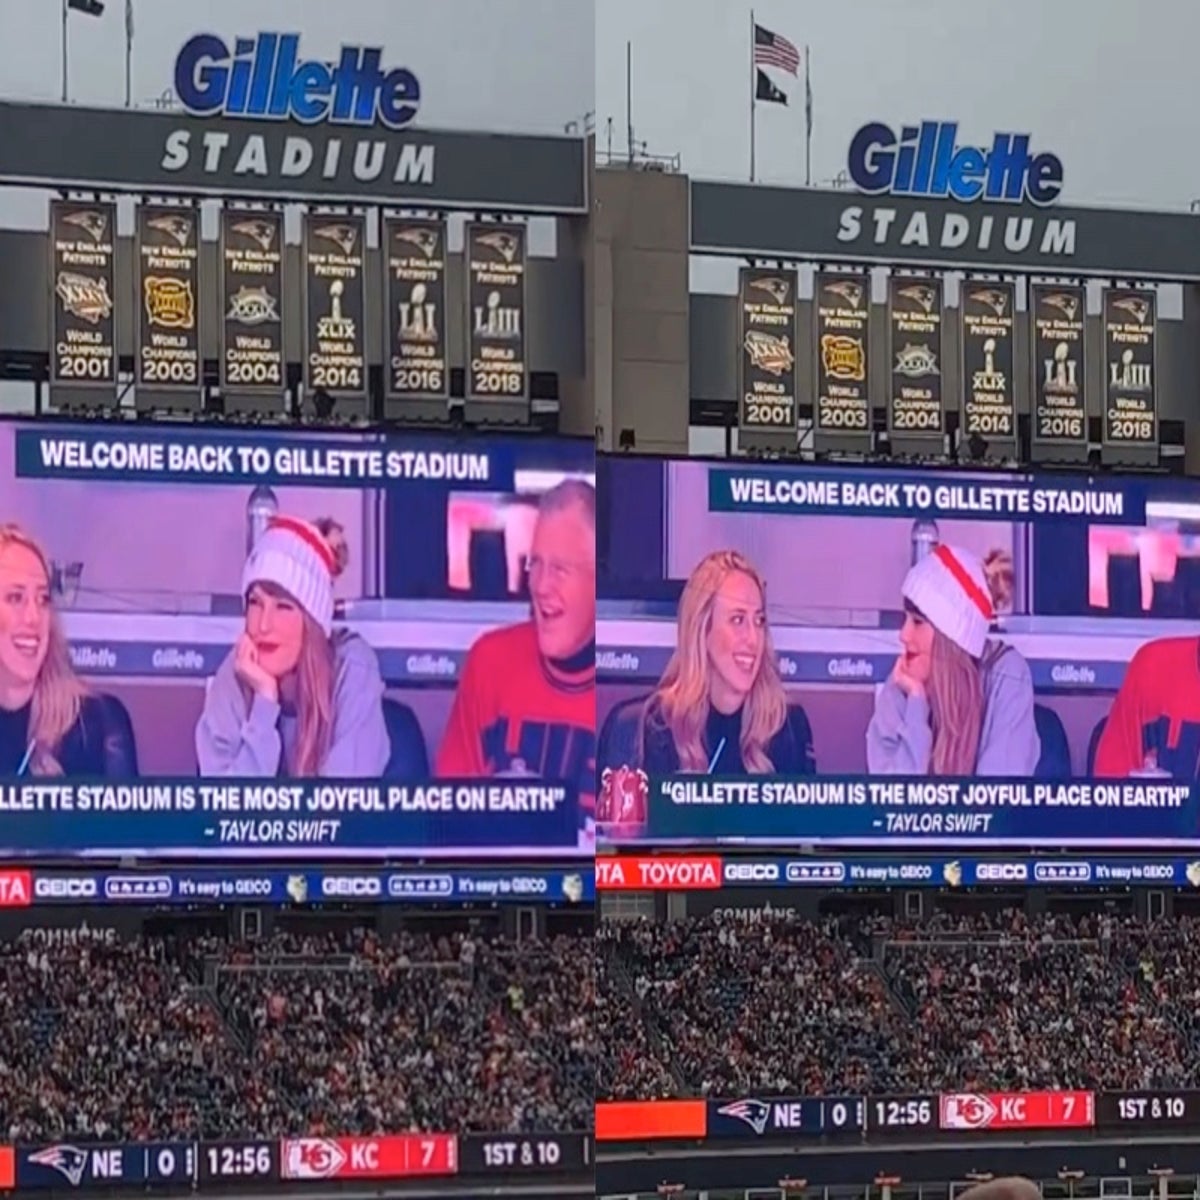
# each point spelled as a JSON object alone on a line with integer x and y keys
{"x": 51, "y": 724}
{"x": 294, "y": 697}
{"x": 720, "y": 707}
{"x": 958, "y": 702}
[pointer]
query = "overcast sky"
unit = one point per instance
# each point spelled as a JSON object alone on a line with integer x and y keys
{"x": 483, "y": 64}
{"x": 1111, "y": 88}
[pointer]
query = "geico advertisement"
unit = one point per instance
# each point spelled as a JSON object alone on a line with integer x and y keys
{"x": 694, "y": 872}
{"x": 21, "y": 888}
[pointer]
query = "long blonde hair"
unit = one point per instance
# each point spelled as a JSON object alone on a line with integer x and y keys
{"x": 316, "y": 670}
{"x": 956, "y": 683}
{"x": 680, "y": 703}
{"x": 58, "y": 693}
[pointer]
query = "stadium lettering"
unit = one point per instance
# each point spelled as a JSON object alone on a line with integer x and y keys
{"x": 880, "y": 227}
{"x": 302, "y": 159}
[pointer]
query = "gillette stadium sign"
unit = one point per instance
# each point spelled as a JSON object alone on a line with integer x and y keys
{"x": 926, "y": 160}
{"x": 924, "y": 194}
{"x": 266, "y": 76}
{"x": 262, "y": 116}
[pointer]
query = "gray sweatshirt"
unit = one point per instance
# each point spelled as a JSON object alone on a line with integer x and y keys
{"x": 232, "y": 741}
{"x": 900, "y": 740}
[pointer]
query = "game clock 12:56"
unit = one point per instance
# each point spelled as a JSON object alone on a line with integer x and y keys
{"x": 239, "y": 1160}
{"x": 902, "y": 1114}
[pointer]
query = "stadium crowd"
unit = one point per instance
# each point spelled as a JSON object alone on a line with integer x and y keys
{"x": 339, "y": 1034}
{"x": 992, "y": 1001}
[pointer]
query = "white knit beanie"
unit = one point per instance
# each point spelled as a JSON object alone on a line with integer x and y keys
{"x": 950, "y": 589}
{"x": 294, "y": 555}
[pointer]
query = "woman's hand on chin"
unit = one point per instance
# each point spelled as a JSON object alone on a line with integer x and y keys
{"x": 908, "y": 683}
{"x": 251, "y": 672}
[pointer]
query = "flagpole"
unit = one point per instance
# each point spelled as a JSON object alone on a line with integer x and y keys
{"x": 752, "y": 95}
{"x": 128, "y": 53}
{"x": 807, "y": 118}
{"x": 65, "y": 10}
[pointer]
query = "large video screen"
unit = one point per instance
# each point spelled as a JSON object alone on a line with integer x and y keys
{"x": 264, "y": 645}
{"x": 850, "y": 656}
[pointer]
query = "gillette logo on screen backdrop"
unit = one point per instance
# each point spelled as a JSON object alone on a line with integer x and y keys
{"x": 266, "y": 77}
{"x": 925, "y": 160}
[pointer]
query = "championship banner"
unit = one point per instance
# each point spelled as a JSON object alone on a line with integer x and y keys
{"x": 767, "y": 354}
{"x": 335, "y": 355}
{"x": 1059, "y": 314}
{"x": 989, "y": 398}
{"x": 252, "y": 357}
{"x": 1130, "y": 402}
{"x": 167, "y": 354}
{"x": 83, "y": 238}
{"x": 842, "y": 307}
{"x": 497, "y": 367}
{"x": 915, "y": 408}
{"x": 415, "y": 304}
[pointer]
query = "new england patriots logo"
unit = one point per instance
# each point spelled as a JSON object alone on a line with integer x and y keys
{"x": 505, "y": 244}
{"x": 754, "y": 1113}
{"x": 1136, "y": 306}
{"x": 257, "y": 230}
{"x": 775, "y": 287}
{"x": 920, "y": 294}
{"x": 92, "y": 221}
{"x": 175, "y": 226}
{"x": 69, "y": 1161}
{"x": 421, "y": 236}
{"x": 1067, "y": 305}
{"x": 849, "y": 291}
{"x": 994, "y": 298}
{"x": 341, "y": 235}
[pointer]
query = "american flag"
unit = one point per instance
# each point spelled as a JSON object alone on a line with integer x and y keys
{"x": 774, "y": 50}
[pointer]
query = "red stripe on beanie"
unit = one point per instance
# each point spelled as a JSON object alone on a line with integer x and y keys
{"x": 975, "y": 594}
{"x": 308, "y": 535}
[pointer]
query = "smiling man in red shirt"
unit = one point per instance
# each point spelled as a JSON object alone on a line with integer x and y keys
{"x": 526, "y": 700}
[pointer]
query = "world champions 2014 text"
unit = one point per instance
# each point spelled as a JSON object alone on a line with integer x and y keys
{"x": 941, "y": 807}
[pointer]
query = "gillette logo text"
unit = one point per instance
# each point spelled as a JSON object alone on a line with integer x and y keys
{"x": 924, "y": 160}
{"x": 265, "y": 77}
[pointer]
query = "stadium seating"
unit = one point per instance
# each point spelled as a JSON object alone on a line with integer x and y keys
{"x": 351, "y": 1033}
{"x": 994, "y": 1001}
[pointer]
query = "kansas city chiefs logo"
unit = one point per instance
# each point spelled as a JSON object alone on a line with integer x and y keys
{"x": 967, "y": 1111}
